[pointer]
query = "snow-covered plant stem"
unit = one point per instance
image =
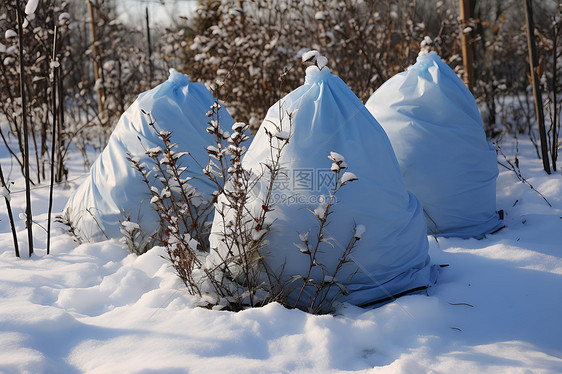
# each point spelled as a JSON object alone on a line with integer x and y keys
{"x": 217, "y": 152}
{"x": 134, "y": 238}
{"x": 317, "y": 302}
{"x": 242, "y": 274}
{"x": 6, "y": 193}
{"x": 28, "y": 215}
{"x": 181, "y": 210}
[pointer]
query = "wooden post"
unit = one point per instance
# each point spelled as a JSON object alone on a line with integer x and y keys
{"x": 95, "y": 50}
{"x": 28, "y": 214}
{"x": 533, "y": 62}
{"x": 466, "y": 47}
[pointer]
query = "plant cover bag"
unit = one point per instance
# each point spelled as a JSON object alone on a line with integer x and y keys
{"x": 113, "y": 189}
{"x": 435, "y": 128}
{"x": 392, "y": 256}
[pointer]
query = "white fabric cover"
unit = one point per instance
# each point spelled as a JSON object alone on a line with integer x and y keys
{"x": 435, "y": 128}
{"x": 114, "y": 189}
{"x": 392, "y": 256}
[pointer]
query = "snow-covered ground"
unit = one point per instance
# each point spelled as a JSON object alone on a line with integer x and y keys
{"x": 96, "y": 308}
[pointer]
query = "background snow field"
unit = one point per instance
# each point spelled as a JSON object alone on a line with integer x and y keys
{"x": 96, "y": 308}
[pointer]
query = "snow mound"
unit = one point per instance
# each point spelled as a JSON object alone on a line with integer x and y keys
{"x": 433, "y": 123}
{"x": 114, "y": 190}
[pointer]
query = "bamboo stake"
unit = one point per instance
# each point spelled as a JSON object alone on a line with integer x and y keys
{"x": 554, "y": 125}
{"x": 60, "y": 125}
{"x": 533, "y": 62}
{"x": 467, "y": 56}
{"x": 28, "y": 216}
{"x": 53, "y": 139}
{"x": 97, "y": 74}
{"x": 149, "y": 48}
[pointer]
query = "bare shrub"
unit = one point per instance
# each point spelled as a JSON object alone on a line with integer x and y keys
{"x": 322, "y": 300}
{"x": 181, "y": 210}
{"x": 238, "y": 274}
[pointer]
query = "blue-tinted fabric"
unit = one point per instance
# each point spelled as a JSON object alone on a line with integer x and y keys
{"x": 435, "y": 128}
{"x": 392, "y": 256}
{"x": 114, "y": 190}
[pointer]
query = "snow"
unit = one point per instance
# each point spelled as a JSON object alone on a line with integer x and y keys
{"x": 282, "y": 135}
{"x": 12, "y": 50}
{"x": 239, "y": 126}
{"x": 359, "y": 231}
{"x": 425, "y": 45}
{"x": 31, "y": 7}
{"x": 336, "y": 157}
{"x": 320, "y": 16}
{"x": 310, "y": 56}
{"x": 63, "y": 17}
{"x": 321, "y": 211}
{"x": 10, "y": 34}
{"x": 313, "y": 56}
{"x": 348, "y": 177}
{"x": 130, "y": 225}
{"x": 96, "y": 308}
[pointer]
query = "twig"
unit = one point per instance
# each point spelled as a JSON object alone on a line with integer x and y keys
{"x": 515, "y": 169}
{"x": 465, "y": 304}
{"x": 97, "y": 223}
{"x": 10, "y": 215}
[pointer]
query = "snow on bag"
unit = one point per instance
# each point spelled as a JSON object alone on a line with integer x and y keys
{"x": 114, "y": 189}
{"x": 392, "y": 256}
{"x": 435, "y": 128}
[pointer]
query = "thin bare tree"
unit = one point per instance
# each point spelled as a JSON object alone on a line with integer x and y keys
{"x": 28, "y": 214}
{"x": 534, "y": 63}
